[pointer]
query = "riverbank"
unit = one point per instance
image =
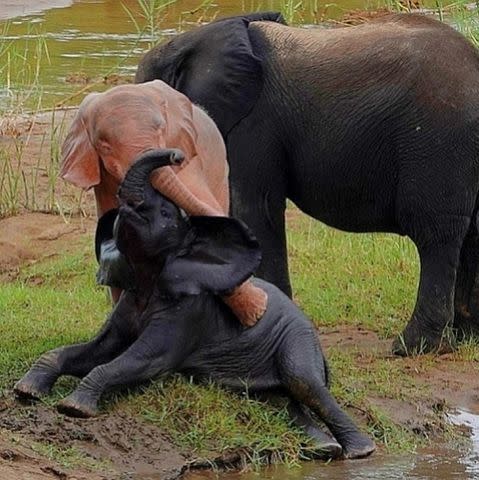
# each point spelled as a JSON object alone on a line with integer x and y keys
{"x": 358, "y": 289}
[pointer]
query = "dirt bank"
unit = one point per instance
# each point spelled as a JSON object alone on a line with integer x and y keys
{"x": 111, "y": 446}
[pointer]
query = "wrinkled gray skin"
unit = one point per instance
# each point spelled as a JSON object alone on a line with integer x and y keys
{"x": 366, "y": 128}
{"x": 172, "y": 321}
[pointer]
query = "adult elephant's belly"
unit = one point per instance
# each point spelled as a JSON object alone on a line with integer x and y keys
{"x": 348, "y": 192}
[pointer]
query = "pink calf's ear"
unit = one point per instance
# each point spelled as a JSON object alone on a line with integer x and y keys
{"x": 80, "y": 163}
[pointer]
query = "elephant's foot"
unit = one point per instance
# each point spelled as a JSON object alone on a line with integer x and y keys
{"x": 357, "y": 445}
{"x": 324, "y": 446}
{"x": 415, "y": 341}
{"x": 40, "y": 378}
{"x": 466, "y": 327}
{"x": 32, "y": 386}
{"x": 248, "y": 303}
{"x": 78, "y": 404}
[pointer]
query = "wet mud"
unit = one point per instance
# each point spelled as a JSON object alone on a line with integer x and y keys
{"x": 111, "y": 446}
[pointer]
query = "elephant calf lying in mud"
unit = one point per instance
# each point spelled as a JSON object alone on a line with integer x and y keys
{"x": 173, "y": 321}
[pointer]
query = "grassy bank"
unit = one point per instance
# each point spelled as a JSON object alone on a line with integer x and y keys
{"x": 364, "y": 282}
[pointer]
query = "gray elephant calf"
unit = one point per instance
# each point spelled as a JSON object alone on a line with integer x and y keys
{"x": 170, "y": 319}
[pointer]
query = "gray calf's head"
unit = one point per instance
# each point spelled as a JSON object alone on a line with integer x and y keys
{"x": 152, "y": 236}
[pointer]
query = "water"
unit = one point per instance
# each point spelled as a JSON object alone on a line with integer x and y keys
{"x": 442, "y": 462}
{"x": 96, "y": 37}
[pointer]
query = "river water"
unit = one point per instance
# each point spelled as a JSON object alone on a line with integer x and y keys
{"x": 93, "y": 38}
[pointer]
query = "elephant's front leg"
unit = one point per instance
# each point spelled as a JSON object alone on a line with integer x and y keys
{"x": 258, "y": 189}
{"x": 432, "y": 320}
{"x": 76, "y": 360}
{"x": 146, "y": 358}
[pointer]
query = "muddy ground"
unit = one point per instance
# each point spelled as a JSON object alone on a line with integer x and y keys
{"x": 127, "y": 448}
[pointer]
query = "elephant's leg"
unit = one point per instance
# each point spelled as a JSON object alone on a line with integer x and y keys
{"x": 143, "y": 360}
{"x": 301, "y": 365}
{"x": 258, "y": 189}
{"x": 77, "y": 360}
{"x": 466, "y": 298}
{"x": 432, "y": 319}
{"x": 324, "y": 445}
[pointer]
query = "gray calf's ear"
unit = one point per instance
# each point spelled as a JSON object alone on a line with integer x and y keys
{"x": 220, "y": 255}
{"x": 113, "y": 270}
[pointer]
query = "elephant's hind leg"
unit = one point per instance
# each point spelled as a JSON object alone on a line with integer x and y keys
{"x": 435, "y": 210}
{"x": 302, "y": 373}
{"x": 324, "y": 445}
{"x": 430, "y": 326}
{"x": 466, "y": 297}
{"x": 77, "y": 360}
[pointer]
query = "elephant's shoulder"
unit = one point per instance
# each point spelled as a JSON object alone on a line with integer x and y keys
{"x": 270, "y": 30}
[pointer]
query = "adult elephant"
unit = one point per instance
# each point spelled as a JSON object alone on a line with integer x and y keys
{"x": 366, "y": 128}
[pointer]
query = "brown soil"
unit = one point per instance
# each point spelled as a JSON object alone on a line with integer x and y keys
{"x": 451, "y": 382}
{"x": 31, "y": 237}
{"x": 116, "y": 445}
{"x": 124, "y": 447}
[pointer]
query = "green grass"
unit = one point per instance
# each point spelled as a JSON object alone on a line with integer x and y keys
{"x": 342, "y": 278}
{"x": 56, "y": 302}
{"x": 51, "y": 304}
{"x": 205, "y": 419}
